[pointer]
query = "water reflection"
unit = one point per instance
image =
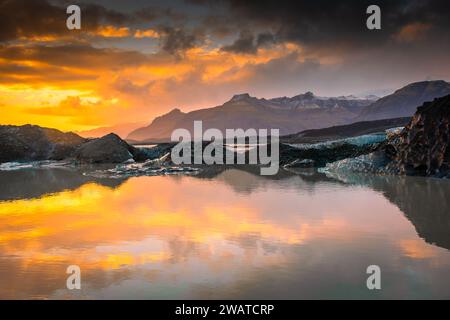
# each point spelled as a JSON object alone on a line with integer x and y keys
{"x": 425, "y": 202}
{"x": 34, "y": 183}
{"x": 222, "y": 234}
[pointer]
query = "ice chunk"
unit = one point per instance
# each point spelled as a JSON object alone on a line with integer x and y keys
{"x": 369, "y": 163}
{"x": 11, "y": 166}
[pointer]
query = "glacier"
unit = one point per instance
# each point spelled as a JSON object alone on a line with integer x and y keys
{"x": 356, "y": 141}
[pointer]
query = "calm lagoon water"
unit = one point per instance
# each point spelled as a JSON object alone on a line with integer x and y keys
{"x": 229, "y": 234}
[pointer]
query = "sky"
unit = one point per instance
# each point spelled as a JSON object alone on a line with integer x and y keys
{"x": 135, "y": 60}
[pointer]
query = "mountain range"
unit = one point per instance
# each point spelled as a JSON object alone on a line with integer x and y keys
{"x": 404, "y": 102}
{"x": 289, "y": 114}
{"x": 294, "y": 114}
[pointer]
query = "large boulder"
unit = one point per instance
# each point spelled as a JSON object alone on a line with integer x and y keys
{"x": 33, "y": 143}
{"x": 108, "y": 149}
{"x": 422, "y": 148}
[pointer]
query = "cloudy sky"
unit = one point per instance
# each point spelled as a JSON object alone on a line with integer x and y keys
{"x": 134, "y": 60}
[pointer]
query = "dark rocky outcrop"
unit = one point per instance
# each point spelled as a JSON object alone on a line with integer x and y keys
{"x": 422, "y": 148}
{"x": 33, "y": 143}
{"x": 108, "y": 149}
{"x": 157, "y": 151}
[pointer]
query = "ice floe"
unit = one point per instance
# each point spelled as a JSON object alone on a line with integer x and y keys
{"x": 12, "y": 166}
{"x": 154, "y": 167}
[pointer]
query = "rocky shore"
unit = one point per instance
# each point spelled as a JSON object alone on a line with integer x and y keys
{"x": 30, "y": 143}
{"x": 420, "y": 148}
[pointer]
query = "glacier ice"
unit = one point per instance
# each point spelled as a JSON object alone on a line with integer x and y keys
{"x": 356, "y": 141}
{"x": 367, "y": 163}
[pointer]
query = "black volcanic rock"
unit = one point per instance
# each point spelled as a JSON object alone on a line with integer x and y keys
{"x": 422, "y": 148}
{"x": 403, "y": 102}
{"x": 33, "y": 143}
{"x": 108, "y": 149}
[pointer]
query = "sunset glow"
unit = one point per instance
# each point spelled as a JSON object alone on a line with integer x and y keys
{"x": 130, "y": 65}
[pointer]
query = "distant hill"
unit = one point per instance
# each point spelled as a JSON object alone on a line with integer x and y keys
{"x": 345, "y": 131}
{"x": 121, "y": 130}
{"x": 404, "y": 101}
{"x": 289, "y": 114}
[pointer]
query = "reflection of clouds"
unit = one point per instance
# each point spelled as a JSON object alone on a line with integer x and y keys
{"x": 417, "y": 249}
{"x": 181, "y": 236}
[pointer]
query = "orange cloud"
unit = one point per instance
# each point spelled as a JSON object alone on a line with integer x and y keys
{"x": 149, "y": 33}
{"x": 112, "y": 32}
{"x": 412, "y": 32}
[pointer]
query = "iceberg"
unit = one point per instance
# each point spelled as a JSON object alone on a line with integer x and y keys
{"x": 376, "y": 162}
{"x": 368, "y": 163}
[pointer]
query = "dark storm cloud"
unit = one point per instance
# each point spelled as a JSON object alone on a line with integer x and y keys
{"x": 413, "y": 42}
{"x": 310, "y": 23}
{"x": 95, "y": 14}
{"x": 153, "y": 13}
{"x": 22, "y": 17}
{"x": 326, "y": 22}
{"x": 28, "y": 18}
{"x": 244, "y": 44}
{"x": 248, "y": 43}
{"x": 176, "y": 40}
